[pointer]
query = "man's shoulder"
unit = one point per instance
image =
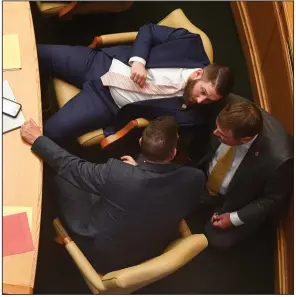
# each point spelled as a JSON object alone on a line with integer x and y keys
{"x": 190, "y": 171}
{"x": 277, "y": 139}
{"x": 118, "y": 165}
{"x": 112, "y": 162}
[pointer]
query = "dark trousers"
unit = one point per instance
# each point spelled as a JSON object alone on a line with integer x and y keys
{"x": 200, "y": 222}
{"x": 74, "y": 207}
{"x": 93, "y": 107}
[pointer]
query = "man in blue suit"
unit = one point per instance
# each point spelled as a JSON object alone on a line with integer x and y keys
{"x": 160, "y": 55}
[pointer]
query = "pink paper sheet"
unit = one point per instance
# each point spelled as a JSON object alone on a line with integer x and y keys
{"x": 17, "y": 238}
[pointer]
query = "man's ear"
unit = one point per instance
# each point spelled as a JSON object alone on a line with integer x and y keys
{"x": 198, "y": 73}
{"x": 174, "y": 152}
{"x": 246, "y": 139}
{"x": 140, "y": 141}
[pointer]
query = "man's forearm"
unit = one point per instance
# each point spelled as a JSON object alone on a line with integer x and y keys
{"x": 82, "y": 174}
{"x": 47, "y": 150}
{"x": 151, "y": 35}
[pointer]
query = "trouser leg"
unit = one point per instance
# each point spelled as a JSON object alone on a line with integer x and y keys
{"x": 73, "y": 64}
{"x": 85, "y": 112}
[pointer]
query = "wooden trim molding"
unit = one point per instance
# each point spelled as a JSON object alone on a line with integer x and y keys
{"x": 16, "y": 289}
{"x": 249, "y": 46}
{"x": 285, "y": 254}
{"x": 285, "y": 27}
{"x": 267, "y": 46}
{"x": 288, "y": 15}
{"x": 282, "y": 283}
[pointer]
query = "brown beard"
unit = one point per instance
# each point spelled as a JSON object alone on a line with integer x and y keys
{"x": 188, "y": 90}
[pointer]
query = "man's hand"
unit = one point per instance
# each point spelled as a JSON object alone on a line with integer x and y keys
{"x": 221, "y": 221}
{"x": 129, "y": 160}
{"x": 139, "y": 73}
{"x": 30, "y": 131}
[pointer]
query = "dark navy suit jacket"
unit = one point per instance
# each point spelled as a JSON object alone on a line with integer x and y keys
{"x": 162, "y": 47}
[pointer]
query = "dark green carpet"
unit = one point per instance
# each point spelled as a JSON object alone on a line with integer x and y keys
{"x": 245, "y": 269}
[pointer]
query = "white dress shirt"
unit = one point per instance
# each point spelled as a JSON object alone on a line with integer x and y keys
{"x": 240, "y": 152}
{"x": 154, "y": 75}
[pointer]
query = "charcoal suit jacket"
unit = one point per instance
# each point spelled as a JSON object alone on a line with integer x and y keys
{"x": 120, "y": 215}
{"x": 263, "y": 180}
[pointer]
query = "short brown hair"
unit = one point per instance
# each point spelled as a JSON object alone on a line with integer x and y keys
{"x": 220, "y": 76}
{"x": 159, "y": 139}
{"x": 243, "y": 118}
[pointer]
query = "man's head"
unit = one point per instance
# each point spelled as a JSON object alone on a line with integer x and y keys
{"x": 159, "y": 140}
{"x": 238, "y": 123}
{"x": 208, "y": 85}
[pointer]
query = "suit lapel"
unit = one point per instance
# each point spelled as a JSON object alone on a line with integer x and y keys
{"x": 254, "y": 154}
{"x": 214, "y": 144}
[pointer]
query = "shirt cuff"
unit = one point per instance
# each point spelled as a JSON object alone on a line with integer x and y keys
{"x": 235, "y": 220}
{"x": 136, "y": 59}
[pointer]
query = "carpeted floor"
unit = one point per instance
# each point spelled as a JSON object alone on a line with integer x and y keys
{"x": 245, "y": 269}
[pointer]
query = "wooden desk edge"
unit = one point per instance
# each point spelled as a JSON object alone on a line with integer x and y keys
{"x": 16, "y": 289}
{"x": 8, "y": 288}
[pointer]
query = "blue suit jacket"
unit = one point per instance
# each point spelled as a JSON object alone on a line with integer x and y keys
{"x": 161, "y": 47}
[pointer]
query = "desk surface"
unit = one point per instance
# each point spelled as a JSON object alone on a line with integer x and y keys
{"x": 22, "y": 170}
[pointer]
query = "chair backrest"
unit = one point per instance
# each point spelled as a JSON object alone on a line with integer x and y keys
{"x": 177, "y": 19}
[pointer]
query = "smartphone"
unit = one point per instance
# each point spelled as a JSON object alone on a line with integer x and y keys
{"x": 11, "y": 108}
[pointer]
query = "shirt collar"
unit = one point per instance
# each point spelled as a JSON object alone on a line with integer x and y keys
{"x": 187, "y": 72}
{"x": 159, "y": 168}
{"x": 154, "y": 167}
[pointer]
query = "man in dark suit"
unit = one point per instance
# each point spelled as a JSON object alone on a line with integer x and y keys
{"x": 119, "y": 214}
{"x": 162, "y": 56}
{"x": 249, "y": 165}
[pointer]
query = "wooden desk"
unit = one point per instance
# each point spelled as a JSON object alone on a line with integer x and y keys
{"x": 22, "y": 170}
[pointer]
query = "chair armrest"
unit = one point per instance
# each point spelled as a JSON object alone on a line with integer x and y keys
{"x": 184, "y": 229}
{"x": 80, "y": 260}
{"x": 138, "y": 123}
{"x": 113, "y": 39}
{"x": 84, "y": 266}
{"x": 60, "y": 230}
{"x": 67, "y": 11}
